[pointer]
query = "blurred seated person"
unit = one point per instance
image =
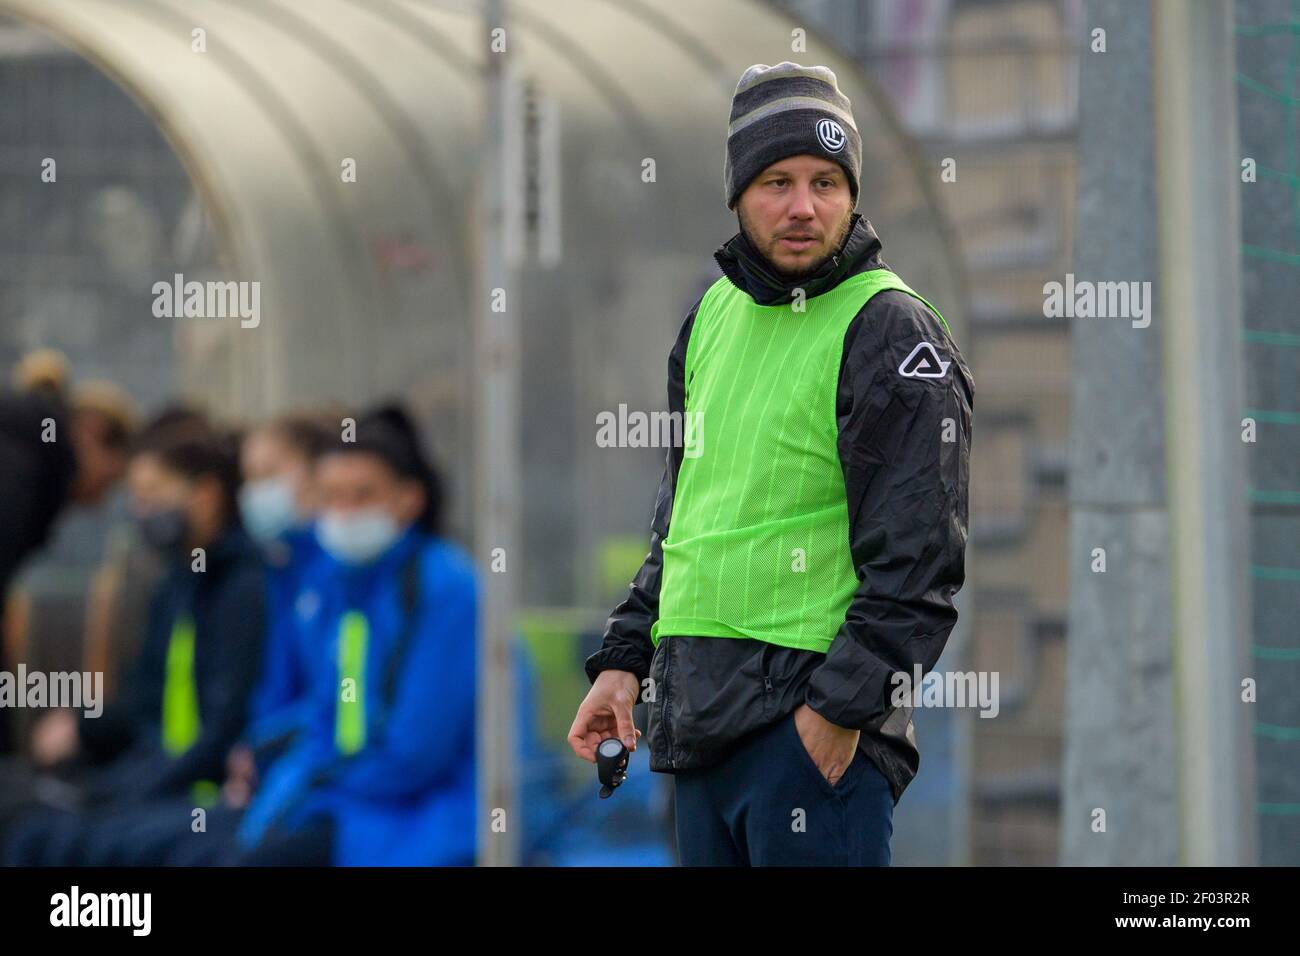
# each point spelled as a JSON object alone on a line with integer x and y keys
{"x": 380, "y": 770}
{"x": 58, "y": 446}
{"x": 278, "y": 504}
{"x": 169, "y": 729}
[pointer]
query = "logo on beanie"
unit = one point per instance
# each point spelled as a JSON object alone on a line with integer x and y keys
{"x": 831, "y": 135}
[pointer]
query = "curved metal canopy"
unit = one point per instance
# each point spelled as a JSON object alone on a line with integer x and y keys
{"x": 366, "y": 286}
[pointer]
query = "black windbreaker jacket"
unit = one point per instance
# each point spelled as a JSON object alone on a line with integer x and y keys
{"x": 907, "y": 496}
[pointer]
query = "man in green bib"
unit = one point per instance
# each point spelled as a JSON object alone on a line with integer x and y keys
{"x": 809, "y": 535}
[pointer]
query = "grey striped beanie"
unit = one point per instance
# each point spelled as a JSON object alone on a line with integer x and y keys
{"x": 785, "y": 110}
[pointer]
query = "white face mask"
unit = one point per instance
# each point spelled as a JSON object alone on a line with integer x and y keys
{"x": 357, "y": 537}
{"x": 267, "y": 508}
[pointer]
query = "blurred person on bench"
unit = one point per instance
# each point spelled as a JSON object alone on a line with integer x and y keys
{"x": 170, "y": 728}
{"x": 59, "y": 446}
{"x": 380, "y": 765}
{"x": 278, "y": 502}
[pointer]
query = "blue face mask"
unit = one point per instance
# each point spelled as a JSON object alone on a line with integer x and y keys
{"x": 357, "y": 537}
{"x": 268, "y": 509}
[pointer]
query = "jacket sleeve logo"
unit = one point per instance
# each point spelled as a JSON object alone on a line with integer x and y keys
{"x": 924, "y": 362}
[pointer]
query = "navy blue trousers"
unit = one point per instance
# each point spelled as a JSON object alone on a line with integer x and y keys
{"x": 767, "y": 804}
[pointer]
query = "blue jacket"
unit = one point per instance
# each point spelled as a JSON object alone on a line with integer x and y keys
{"x": 407, "y": 797}
{"x": 296, "y": 572}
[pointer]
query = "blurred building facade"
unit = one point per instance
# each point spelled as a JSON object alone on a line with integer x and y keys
{"x": 1268, "y": 104}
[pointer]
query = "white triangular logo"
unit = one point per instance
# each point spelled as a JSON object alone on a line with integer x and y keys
{"x": 924, "y": 362}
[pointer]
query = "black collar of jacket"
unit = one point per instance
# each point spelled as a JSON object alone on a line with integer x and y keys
{"x": 233, "y": 544}
{"x": 752, "y": 273}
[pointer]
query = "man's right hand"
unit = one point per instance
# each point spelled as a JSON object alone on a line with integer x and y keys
{"x": 606, "y": 712}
